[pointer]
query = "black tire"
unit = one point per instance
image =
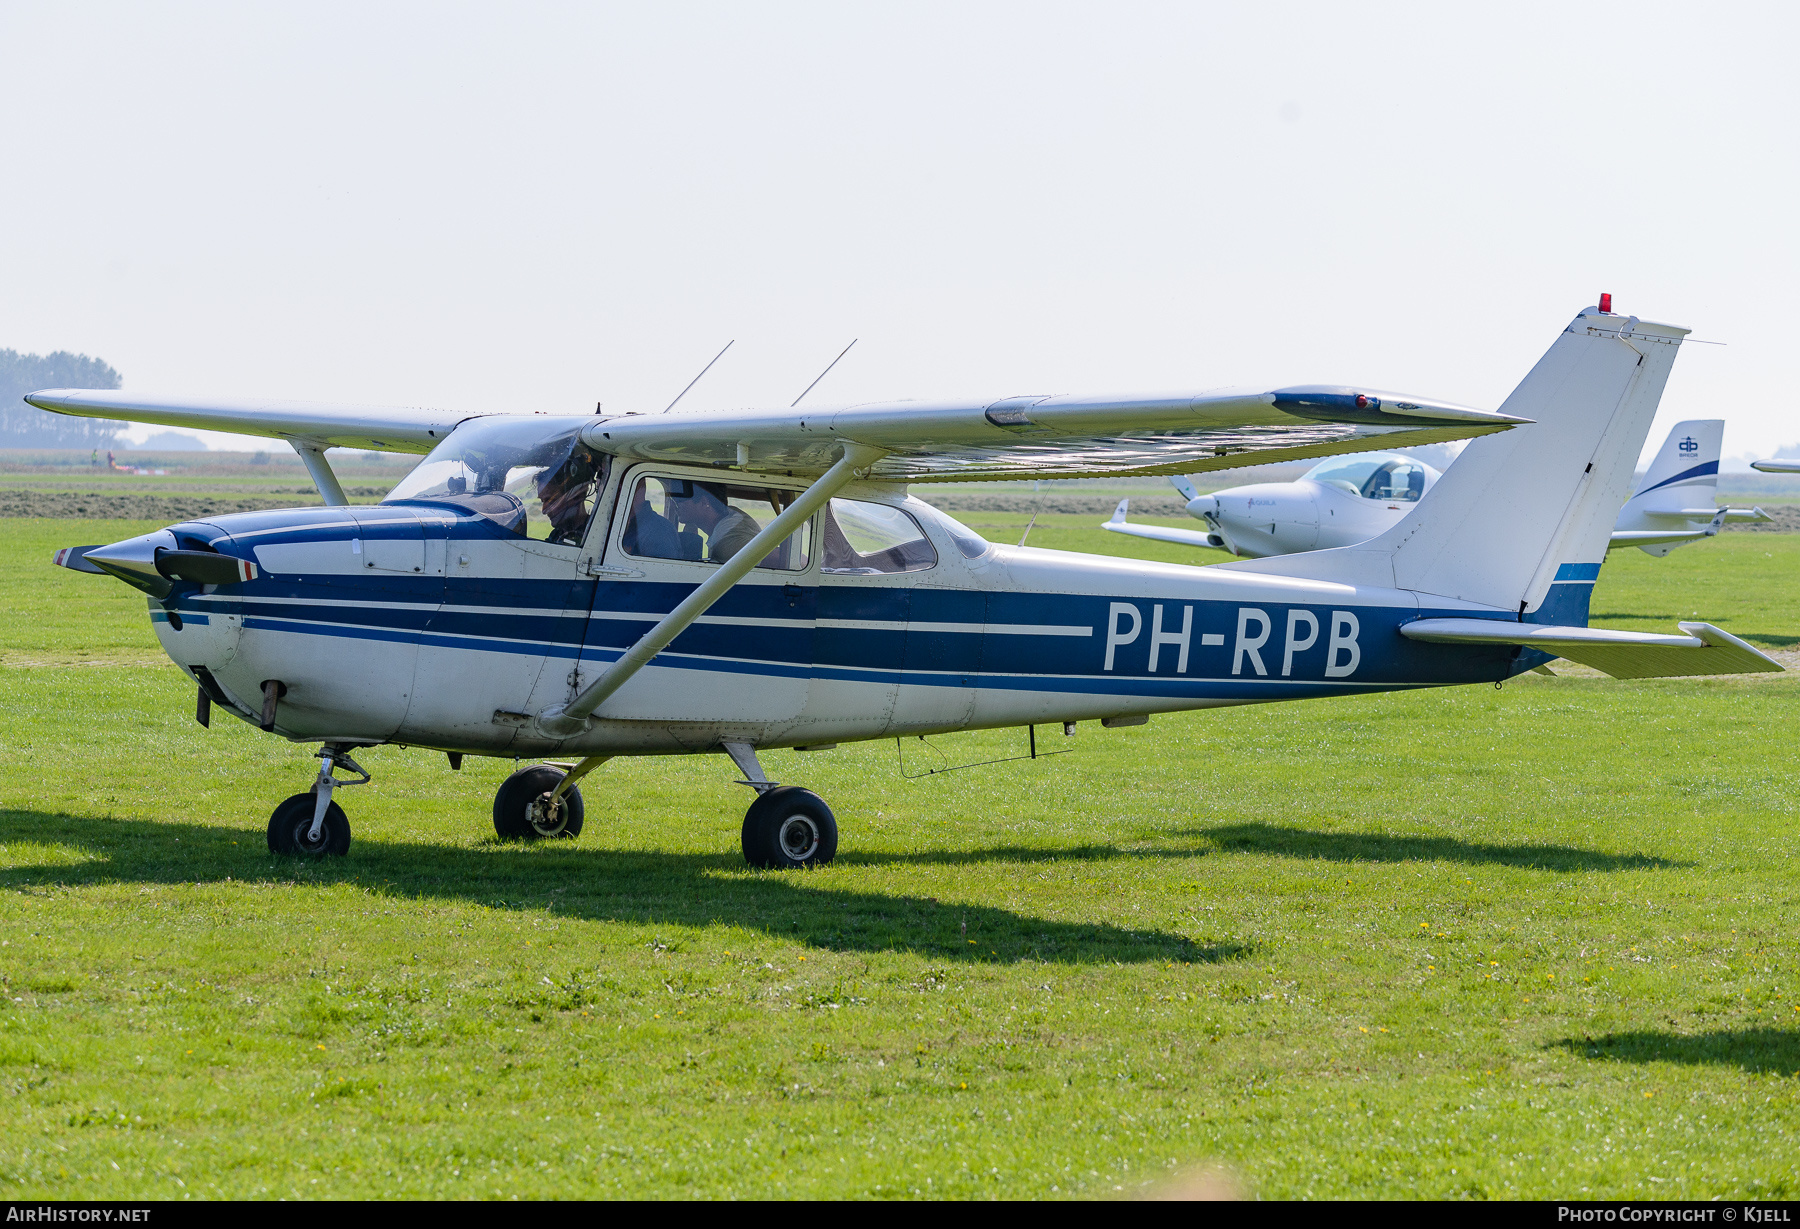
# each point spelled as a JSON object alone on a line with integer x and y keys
{"x": 518, "y": 807}
{"x": 292, "y": 821}
{"x": 789, "y": 827}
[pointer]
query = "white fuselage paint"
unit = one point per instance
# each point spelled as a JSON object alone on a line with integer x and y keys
{"x": 409, "y": 624}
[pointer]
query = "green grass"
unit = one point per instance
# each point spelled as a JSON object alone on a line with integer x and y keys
{"x": 1532, "y": 942}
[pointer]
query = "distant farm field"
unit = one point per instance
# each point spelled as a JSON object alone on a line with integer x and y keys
{"x": 1529, "y": 942}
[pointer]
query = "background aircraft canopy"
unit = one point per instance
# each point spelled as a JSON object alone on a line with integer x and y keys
{"x": 1375, "y": 475}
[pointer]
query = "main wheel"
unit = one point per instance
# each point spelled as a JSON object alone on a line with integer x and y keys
{"x": 789, "y": 827}
{"x": 290, "y": 828}
{"x": 522, "y": 808}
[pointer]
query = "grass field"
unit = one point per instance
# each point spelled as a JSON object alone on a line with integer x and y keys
{"x": 1531, "y": 942}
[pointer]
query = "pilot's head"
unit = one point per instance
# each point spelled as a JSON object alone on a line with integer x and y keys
{"x": 694, "y": 503}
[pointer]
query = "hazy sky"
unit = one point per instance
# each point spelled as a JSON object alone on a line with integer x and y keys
{"x": 517, "y": 206}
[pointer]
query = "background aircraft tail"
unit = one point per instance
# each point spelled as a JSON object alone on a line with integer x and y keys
{"x": 1678, "y": 493}
{"x": 1684, "y": 476}
{"x": 1522, "y": 520}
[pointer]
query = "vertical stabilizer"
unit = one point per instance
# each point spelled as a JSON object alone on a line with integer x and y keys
{"x": 1684, "y": 476}
{"x": 1524, "y": 508}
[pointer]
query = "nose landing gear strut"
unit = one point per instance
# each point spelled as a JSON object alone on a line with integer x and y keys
{"x": 311, "y": 824}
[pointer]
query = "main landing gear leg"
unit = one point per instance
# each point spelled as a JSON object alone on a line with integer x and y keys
{"x": 311, "y": 824}
{"x": 541, "y": 802}
{"x": 786, "y": 826}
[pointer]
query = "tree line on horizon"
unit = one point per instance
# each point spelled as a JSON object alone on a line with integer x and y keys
{"x": 26, "y": 426}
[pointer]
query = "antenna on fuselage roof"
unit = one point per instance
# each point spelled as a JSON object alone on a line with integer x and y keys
{"x": 826, "y": 372}
{"x": 696, "y": 379}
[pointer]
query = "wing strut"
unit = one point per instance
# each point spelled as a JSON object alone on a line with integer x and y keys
{"x": 572, "y": 718}
{"x": 313, "y": 457}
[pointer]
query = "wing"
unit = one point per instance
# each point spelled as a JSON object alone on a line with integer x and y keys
{"x": 1051, "y": 437}
{"x": 1019, "y": 437}
{"x": 387, "y": 428}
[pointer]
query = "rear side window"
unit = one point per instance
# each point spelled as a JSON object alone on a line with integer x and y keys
{"x": 863, "y": 538}
{"x": 709, "y": 522}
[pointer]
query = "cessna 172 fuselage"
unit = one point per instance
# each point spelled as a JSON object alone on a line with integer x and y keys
{"x": 647, "y": 585}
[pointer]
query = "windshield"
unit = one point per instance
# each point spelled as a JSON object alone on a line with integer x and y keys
{"x": 529, "y": 475}
{"x": 1375, "y": 475}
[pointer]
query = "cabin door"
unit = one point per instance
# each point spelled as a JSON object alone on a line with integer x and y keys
{"x": 749, "y": 657}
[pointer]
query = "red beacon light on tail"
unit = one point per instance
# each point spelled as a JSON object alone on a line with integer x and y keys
{"x": 1606, "y": 303}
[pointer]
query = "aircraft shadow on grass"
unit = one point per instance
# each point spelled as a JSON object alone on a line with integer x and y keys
{"x": 1377, "y": 847}
{"x": 593, "y": 885}
{"x": 1770, "y": 1051}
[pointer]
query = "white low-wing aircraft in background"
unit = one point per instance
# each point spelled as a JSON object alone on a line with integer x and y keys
{"x": 544, "y": 586}
{"x": 1345, "y": 500}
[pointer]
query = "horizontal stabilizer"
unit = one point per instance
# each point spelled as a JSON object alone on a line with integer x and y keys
{"x": 1656, "y": 537}
{"x": 1777, "y": 467}
{"x": 1624, "y": 655}
{"x": 1159, "y": 533}
{"x": 1652, "y": 537}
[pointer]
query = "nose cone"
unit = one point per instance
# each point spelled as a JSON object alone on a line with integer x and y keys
{"x": 134, "y": 561}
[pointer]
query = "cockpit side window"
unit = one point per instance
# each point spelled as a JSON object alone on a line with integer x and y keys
{"x": 708, "y": 522}
{"x": 971, "y": 544}
{"x": 870, "y": 539}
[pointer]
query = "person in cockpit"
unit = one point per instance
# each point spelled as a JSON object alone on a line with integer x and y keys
{"x": 564, "y": 493}
{"x": 648, "y": 532}
{"x": 728, "y": 530}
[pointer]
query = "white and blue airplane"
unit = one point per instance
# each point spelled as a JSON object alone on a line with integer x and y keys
{"x": 552, "y": 586}
{"x": 1345, "y": 500}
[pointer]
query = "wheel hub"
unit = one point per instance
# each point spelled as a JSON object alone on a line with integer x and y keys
{"x": 545, "y": 815}
{"x": 303, "y": 838}
{"x": 799, "y": 837}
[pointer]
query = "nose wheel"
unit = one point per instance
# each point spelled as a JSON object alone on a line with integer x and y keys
{"x": 788, "y": 827}
{"x": 311, "y": 824}
{"x": 291, "y": 828}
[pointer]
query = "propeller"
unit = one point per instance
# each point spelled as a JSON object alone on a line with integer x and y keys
{"x": 153, "y": 562}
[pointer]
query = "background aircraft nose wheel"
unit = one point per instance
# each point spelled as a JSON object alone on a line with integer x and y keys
{"x": 290, "y": 828}
{"x": 525, "y": 811}
{"x": 789, "y": 827}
